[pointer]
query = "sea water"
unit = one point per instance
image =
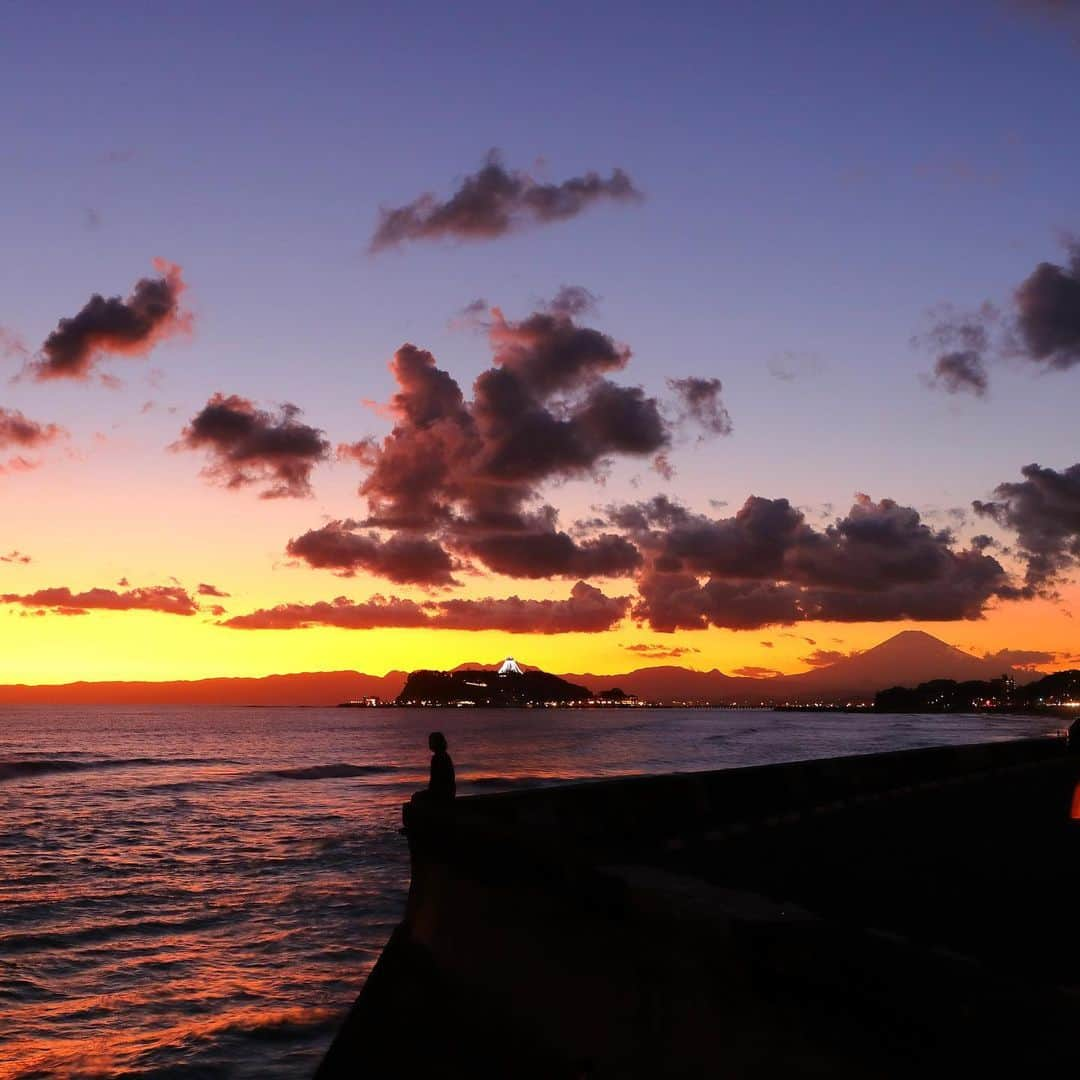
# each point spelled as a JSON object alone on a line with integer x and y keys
{"x": 200, "y": 892}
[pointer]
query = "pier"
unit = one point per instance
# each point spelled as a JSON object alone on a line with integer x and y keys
{"x": 889, "y": 915}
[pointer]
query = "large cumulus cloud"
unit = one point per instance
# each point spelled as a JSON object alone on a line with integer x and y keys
{"x": 495, "y": 200}
{"x": 466, "y": 473}
{"x": 766, "y": 565}
{"x": 1043, "y": 510}
{"x": 114, "y": 326}
{"x": 248, "y": 445}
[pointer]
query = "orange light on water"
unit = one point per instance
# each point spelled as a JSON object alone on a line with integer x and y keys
{"x": 1076, "y": 803}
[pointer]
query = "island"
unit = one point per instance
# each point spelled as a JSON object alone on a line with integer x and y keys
{"x": 507, "y": 687}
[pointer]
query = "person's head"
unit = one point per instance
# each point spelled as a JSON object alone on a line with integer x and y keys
{"x": 437, "y": 742}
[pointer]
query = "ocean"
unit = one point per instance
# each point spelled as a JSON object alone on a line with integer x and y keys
{"x": 200, "y": 892}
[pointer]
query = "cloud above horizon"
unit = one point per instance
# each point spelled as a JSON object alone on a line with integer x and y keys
{"x": 466, "y": 474}
{"x": 495, "y": 201}
{"x": 113, "y": 326}
{"x": 166, "y": 599}
{"x": 700, "y": 401}
{"x": 827, "y": 657}
{"x": 457, "y": 487}
{"x": 586, "y": 611}
{"x": 661, "y": 652}
{"x": 961, "y": 372}
{"x": 1043, "y": 510}
{"x": 19, "y": 432}
{"x": 1040, "y": 325}
{"x": 341, "y": 547}
{"x": 248, "y": 446}
{"x": 766, "y": 565}
{"x": 1026, "y": 659}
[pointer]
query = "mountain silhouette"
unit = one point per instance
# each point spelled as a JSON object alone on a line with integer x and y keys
{"x": 906, "y": 659}
{"x": 305, "y": 688}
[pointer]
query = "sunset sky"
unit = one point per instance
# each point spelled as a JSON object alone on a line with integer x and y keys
{"x": 560, "y": 288}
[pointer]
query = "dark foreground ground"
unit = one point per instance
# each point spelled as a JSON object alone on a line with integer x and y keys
{"x": 893, "y": 915}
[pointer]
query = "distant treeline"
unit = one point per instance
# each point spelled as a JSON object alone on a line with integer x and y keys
{"x": 947, "y": 695}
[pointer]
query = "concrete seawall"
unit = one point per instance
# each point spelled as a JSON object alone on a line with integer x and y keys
{"x": 885, "y": 915}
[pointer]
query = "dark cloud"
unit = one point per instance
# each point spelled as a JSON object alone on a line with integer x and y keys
{"x": 961, "y": 372}
{"x": 494, "y": 201}
{"x": 1048, "y": 312}
{"x": 17, "y": 430}
{"x": 754, "y": 543}
{"x": 548, "y": 351}
{"x": 112, "y": 326}
{"x": 16, "y": 557}
{"x": 376, "y": 613}
{"x": 210, "y": 590}
{"x": 1044, "y": 511}
{"x": 673, "y": 601}
{"x": 752, "y": 672}
{"x": 339, "y": 546}
{"x": 168, "y": 599}
{"x": 468, "y": 471}
{"x": 699, "y": 400}
{"x": 543, "y": 553}
{"x": 962, "y": 341}
{"x": 1041, "y": 325}
{"x": 766, "y": 644}
{"x": 661, "y": 652}
{"x": 878, "y": 545}
{"x": 767, "y": 566}
{"x": 1023, "y": 658}
{"x": 587, "y": 610}
{"x": 572, "y": 300}
{"x": 248, "y": 445}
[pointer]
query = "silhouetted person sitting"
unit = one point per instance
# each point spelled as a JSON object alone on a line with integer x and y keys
{"x": 442, "y": 786}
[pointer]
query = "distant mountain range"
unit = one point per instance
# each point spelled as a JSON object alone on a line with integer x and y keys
{"x": 906, "y": 659}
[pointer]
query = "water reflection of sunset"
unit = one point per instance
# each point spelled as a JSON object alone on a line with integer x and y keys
{"x": 225, "y": 891}
{"x": 733, "y": 347}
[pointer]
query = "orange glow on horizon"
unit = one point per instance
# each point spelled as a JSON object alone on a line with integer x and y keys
{"x": 145, "y": 646}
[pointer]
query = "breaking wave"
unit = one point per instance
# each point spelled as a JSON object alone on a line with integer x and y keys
{"x": 329, "y": 772}
{"x": 35, "y": 766}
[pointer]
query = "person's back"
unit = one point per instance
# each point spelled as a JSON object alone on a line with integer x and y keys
{"x": 442, "y": 784}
